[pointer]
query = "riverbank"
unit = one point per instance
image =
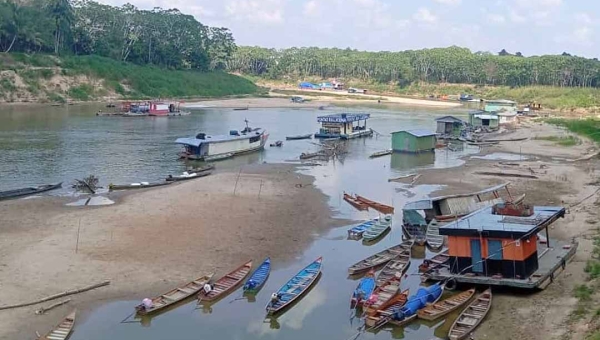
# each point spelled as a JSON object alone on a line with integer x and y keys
{"x": 153, "y": 240}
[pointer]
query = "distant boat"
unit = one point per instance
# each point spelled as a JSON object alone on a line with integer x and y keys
{"x": 226, "y": 284}
{"x": 8, "y": 194}
{"x": 306, "y": 136}
{"x": 381, "y": 153}
{"x": 295, "y": 287}
{"x": 277, "y": 144}
{"x": 187, "y": 176}
{"x": 240, "y": 108}
{"x": 355, "y": 202}
{"x": 173, "y": 296}
{"x": 203, "y": 168}
{"x": 140, "y": 185}
{"x": 63, "y": 330}
{"x": 258, "y": 277}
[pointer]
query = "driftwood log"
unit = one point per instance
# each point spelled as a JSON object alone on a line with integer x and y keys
{"x": 43, "y": 310}
{"x": 56, "y": 296}
{"x": 505, "y": 174}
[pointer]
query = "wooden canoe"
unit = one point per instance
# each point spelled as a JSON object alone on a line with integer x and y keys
{"x": 383, "y": 314}
{"x": 396, "y": 267}
{"x": 306, "y": 136}
{"x": 432, "y": 236}
{"x": 381, "y": 296}
{"x": 414, "y": 316}
{"x": 446, "y": 306}
{"x": 381, "y": 153}
{"x": 8, "y": 194}
{"x": 471, "y": 316}
{"x": 187, "y": 176}
{"x": 435, "y": 262}
{"x": 378, "y": 229}
{"x": 295, "y": 287}
{"x": 63, "y": 330}
{"x": 379, "y": 259}
{"x": 357, "y": 231}
{"x": 354, "y": 202}
{"x": 258, "y": 277}
{"x": 174, "y": 296}
{"x": 226, "y": 284}
{"x": 382, "y": 208}
{"x": 140, "y": 185}
{"x": 363, "y": 291}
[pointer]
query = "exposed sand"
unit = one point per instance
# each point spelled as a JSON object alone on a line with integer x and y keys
{"x": 150, "y": 241}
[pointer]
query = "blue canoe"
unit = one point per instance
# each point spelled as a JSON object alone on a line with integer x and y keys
{"x": 363, "y": 290}
{"x": 295, "y": 287}
{"x": 358, "y": 230}
{"x": 259, "y": 277}
{"x": 424, "y": 297}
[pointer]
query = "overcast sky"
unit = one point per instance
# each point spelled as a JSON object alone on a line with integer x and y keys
{"x": 532, "y": 27}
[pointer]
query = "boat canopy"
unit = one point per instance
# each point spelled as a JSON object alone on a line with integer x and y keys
{"x": 343, "y": 118}
{"x": 191, "y": 141}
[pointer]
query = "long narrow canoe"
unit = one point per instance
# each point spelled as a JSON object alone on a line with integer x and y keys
{"x": 423, "y": 298}
{"x": 396, "y": 267}
{"x": 140, "y": 185}
{"x": 259, "y": 277}
{"x": 203, "y": 168}
{"x": 386, "y": 311}
{"x": 357, "y": 231}
{"x": 63, "y": 330}
{"x": 363, "y": 291}
{"x": 378, "y": 229}
{"x": 432, "y": 236}
{"x": 295, "y": 287}
{"x": 381, "y": 296}
{"x": 378, "y": 259}
{"x": 186, "y": 176}
{"x": 4, "y": 195}
{"x": 226, "y": 284}
{"x": 174, "y": 296}
{"x": 382, "y": 208}
{"x": 355, "y": 202}
{"x": 446, "y": 306}
{"x": 306, "y": 136}
{"x": 434, "y": 262}
{"x": 471, "y": 316}
{"x": 381, "y": 153}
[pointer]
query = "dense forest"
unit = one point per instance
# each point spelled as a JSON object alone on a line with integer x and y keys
{"x": 437, "y": 65}
{"x": 159, "y": 37}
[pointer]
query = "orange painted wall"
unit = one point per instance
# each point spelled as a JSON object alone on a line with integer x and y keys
{"x": 460, "y": 246}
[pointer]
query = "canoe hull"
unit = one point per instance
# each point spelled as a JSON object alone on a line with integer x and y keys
{"x": 10, "y": 194}
{"x": 471, "y": 317}
{"x": 225, "y": 285}
{"x": 296, "y": 287}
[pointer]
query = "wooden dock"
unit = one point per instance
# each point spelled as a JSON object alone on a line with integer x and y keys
{"x": 552, "y": 261}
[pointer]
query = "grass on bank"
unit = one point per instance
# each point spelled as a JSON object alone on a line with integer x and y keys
{"x": 585, "y": 127}
{"x": 561, "y": 140}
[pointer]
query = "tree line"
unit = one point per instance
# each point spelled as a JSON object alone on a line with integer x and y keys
{"x": 450, "y": 65}
{"x": 160, "y": 37}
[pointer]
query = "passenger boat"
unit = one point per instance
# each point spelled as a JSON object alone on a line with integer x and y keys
{"x": 386, "y": 310}
{"x": 187, "y": 176}
{"x": 258, "y": 277}
{"x": 378, "y": 229}
{"x": 381, "y": 296}
{"x": 63, "y": 330}
{"x": 381, "y": 153}
{"x": 342, "y": 126}
{"x": 378, "y": 259}
{"x": 382, "y": 208}
{"x": 206, "y": 147}
{"x": 152, "y": 108}
{"x": 446, "y": 306}
{"x": 363, "y": 291}
{"x": 355, "y": 202}
{"x": 8, "y": 194}
{"x": 357, "y": 231}
{"x": 423, "y": 298}
{"x": 432, "y": 236}
{"x": 226, "y": 284}
{"x": 173, "y": 296}
{"x": 396, "y": 267}
{"x": 140, "y": 185}
{"x": 295, "y": 287}
{"x": 471, "y": 316}
{"x": 434, "y": 262}
{"x": 306, "y": 136}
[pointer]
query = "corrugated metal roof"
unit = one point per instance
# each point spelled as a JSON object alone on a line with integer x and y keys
{"x": 418, "y": 132}
{"x": 418, "y": 205}
{"x": 449, "y": 119}
{"x": 343, "y": 117}
{"x": 491, "y": 117}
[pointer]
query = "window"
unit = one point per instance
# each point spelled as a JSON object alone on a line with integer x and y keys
{"x": 254, "y": 139}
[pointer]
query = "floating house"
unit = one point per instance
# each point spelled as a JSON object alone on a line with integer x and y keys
{"x": 484, "y": 119}
{"x": 413, "y": 141}
{"x": 499, "y": 245}
{"x": 343, "y": 126}
{"x": 507, "y": 118}
{"x": 449, "y": 127}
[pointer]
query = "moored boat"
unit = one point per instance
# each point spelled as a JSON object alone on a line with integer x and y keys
{"x": 205, "y": 147}
{"x": 149, "y": 306}
{"x": 423, "y": 298}
{"x": 382, "y": 208}
{"x": 435, "y": 262}
{"x": 363, "y": 291}
{"x": 8, "y": 194}
{"x": 378, "y": 229}
{"x": 306, "y": 136}
{"x": 396, "y": 267}
{"x": 295, "y": 287}
{"x": 225, "y": 284}
{"x": 63, "y": 330}
{"x": 342, "y": 126}
{"x": 381, "y": 296}
{"x": 308, "y": 155}
{"x": 354, "y": 202}
{"x": 381, "y": 153}
{"x": 383, "y": 315}
{"x": 203, "y": 168}
{"x": 140, "y": 185}
{"x": 258, "y": 277}
{"x": 471, "y": 316}
{"x": 357, "y": 231}
{"x": 414, "y": 226}
{"x": 432, "y": 236}
{"x": 437, "y": 310}
{"x": 377, "y": 259}
{"x": 187, "y": 176}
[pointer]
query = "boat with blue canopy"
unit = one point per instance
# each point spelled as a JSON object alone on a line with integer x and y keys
{"x": 295, "y": 287}
{"x": 357, "y": 231}
{"x": 258, "y": 277}
{"x": 363, "y": 290}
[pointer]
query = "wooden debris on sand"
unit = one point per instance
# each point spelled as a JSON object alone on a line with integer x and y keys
{"x": 504, "y": 174}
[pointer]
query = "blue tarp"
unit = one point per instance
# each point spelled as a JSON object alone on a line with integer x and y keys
{"x": 306, "y": 85}
{"x": 418, "y": 301}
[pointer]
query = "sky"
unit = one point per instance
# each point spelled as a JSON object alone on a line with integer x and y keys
{"x": 532, "y": 27}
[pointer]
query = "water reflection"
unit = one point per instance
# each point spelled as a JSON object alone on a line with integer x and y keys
{"x": 407, "y": 161}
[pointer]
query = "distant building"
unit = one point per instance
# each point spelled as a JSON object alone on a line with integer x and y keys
{"x": 449, "y": 126}
{"x": 489, "y": 120}
{"x": 507, "y": 118}
{"x": 413, "y": 141}
{"x": 500, "y": 105}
